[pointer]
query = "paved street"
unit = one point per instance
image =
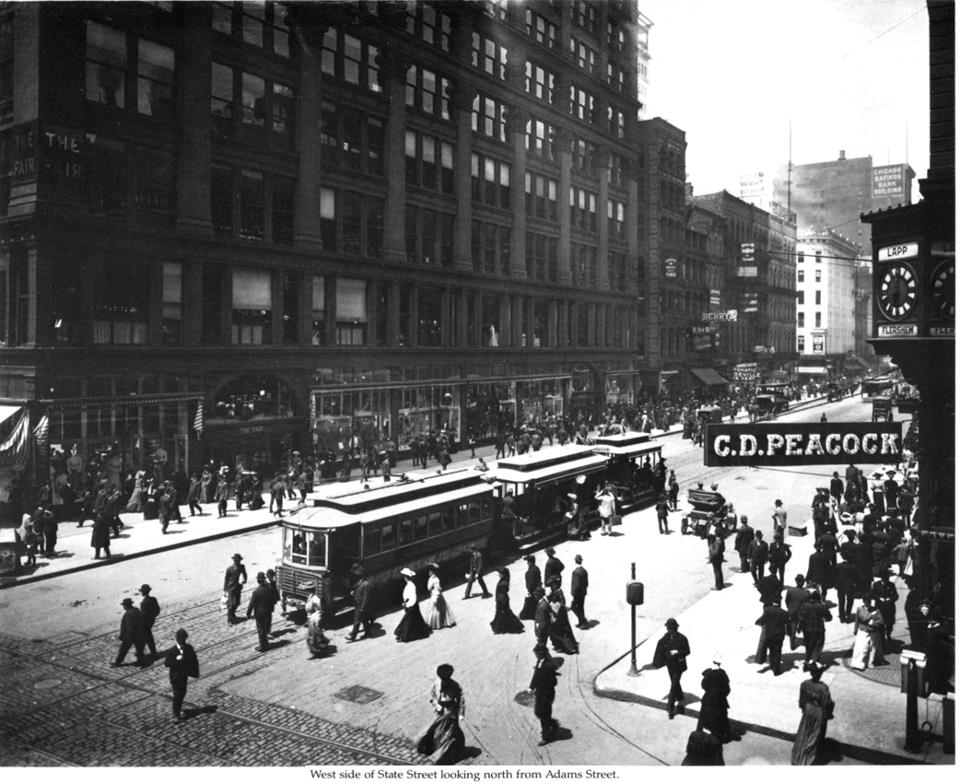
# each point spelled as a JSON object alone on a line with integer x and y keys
{"x": 365, "y": 702}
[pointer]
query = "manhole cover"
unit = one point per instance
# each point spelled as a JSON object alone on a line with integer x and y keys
{"x": 46, "y": 685}
{"x": 524, "y": 698}
{"x": 358, "y": 694}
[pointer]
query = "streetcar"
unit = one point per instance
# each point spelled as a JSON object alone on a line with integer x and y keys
{"x": 408, "y": 522}
{"x": 541, "y": 488}
{"x": 631, "y": 459}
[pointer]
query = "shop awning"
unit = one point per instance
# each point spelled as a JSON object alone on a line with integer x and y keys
{"x": 709, "y": 377}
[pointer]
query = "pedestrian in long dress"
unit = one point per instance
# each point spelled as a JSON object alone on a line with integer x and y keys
{"x": 532, "y": 579}
{"x": 561, "y": 634}
{"x": 438, "y": 614}
{"x": 816, "y": 708}
{"x": 672, "y": 651}
{"x": 504, "y": 620}
{"x": 317, "y": 640}
{"x": 714, "y": 706}
{"x": 412, "y": 626}
{"x": 443, "y": 739}
{"x": 703, "y": 750}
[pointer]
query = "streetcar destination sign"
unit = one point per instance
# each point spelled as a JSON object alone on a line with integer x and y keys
{"x": 778, "y": 443}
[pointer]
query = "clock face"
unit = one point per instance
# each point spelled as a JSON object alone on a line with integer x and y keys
{"x": 943, "y": 290}
{"x": 897, "y": 291}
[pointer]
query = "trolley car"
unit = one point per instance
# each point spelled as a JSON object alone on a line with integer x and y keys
{"x": 403, "y": 523}
{"x": 631, "y": 458}
{"x": 537, "y": 489}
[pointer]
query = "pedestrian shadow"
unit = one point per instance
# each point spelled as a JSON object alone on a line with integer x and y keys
{"x": 196, "y": 712}
{"x": 282, "y": 632}
{"x": 327, "y": 651}
{"x": 589, "y": 624}
{"x": 612, "y": 534}
{"x": 173, "y": 532}
{"x": 562, "y": 734}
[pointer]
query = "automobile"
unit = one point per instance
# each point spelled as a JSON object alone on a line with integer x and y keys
{"x": 769, "y": 405}
{"x": 882, "y": 409}
{"x": 710, "y": 512}
{"x": 710, "y": 414}
{"x": 833, "y": 392}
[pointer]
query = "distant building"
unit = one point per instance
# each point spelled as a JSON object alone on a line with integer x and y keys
{"x": 826, "y": 288}
{"x": 832, "y": 194}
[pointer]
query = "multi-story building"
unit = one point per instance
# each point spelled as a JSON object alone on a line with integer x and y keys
{"x": 826, "y": 291}
{"x": 759, "y": 275}
{"x": 833, "y": 194}
{"x": 234, "y": 230}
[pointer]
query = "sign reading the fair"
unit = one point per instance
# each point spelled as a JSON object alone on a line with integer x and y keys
{"x": 780, "y": 443}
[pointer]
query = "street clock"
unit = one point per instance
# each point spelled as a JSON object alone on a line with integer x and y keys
{"x": 943, "y": 294}
{"x": 897, "y": 291}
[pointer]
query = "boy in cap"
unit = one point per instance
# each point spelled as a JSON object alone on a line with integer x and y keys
{"x": 131, "y": 633}
{"x": 150, "y": 610}
{"x": 672, "y": 651}
{"x": 181, "y": 660}
{"x": 233, "y": 581}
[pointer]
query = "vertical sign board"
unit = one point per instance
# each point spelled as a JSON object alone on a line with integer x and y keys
{"x": 748, "y": 260}
{"x": 889, "y": 182}
{"x": 785, "y": 443}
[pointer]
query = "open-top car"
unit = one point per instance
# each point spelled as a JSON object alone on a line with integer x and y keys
{"x": 710, "y": 512}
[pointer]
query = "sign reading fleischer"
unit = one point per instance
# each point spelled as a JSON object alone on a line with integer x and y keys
{"x": 780, "y": 443}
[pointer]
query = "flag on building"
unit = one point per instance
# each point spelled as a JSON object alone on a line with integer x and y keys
{"x": 198, "y": 420}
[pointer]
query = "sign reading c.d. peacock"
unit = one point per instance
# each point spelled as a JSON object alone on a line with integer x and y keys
{"x": 781, "y": 443}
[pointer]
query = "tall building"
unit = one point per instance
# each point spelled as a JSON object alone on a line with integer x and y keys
{"x": 642, "y": 35}
{"x": 826, "y": 287}
{"x": 231, "y": 230}
{"x": 831, "y": 195}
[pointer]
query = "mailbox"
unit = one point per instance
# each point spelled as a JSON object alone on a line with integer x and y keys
{"x": 635, "y": 593}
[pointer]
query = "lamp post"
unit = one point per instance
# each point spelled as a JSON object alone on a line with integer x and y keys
{"x": 634, "y": 598}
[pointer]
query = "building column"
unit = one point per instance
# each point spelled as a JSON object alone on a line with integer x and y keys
{"x": 306, "y": 234}
{"x": 463, "y": 96}
{"x": 305, "y": 311}
{"x": 192, "y": 302}
{"x": 564, "y": 139}
{"x": 394, "y": 69}
{"x": 393, "y": 315}
{"x": 193, "y": 158}
{"x": 516, "y": 318}
{"x": 552, "y": 315}
{"x": 603, "y": 224}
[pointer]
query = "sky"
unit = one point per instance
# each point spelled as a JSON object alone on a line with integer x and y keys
{"x": 738, "y": 75}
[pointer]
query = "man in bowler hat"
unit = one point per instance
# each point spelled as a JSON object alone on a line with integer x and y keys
{"x": 181, "y": 660}
{"x": 233, "y": 581}
{"x": 149, "y": 610}
{"x": 672, "y": 651}
{"x": 543, "y": 685}
{"x": 131, "y": 633}
{"x": 260, "y": 608}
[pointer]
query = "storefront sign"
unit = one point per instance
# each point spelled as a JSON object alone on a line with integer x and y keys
{"x": 899, "y": 252}
{"x": 896, "y": 330}
{"x": 817, "y": 340}
{"x": 779, "y": 443}
{"x": 722, "y": 315}
{"x": 670, "y": 267}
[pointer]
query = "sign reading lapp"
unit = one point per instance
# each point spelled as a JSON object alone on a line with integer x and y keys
{"x": 779, "y": 443}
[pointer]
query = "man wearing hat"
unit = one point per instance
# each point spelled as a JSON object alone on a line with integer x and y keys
{"x": 476, "y": 573}
{"x": 233, "y": 581}
{"x": 260, "y": 608}
{"x": 553, "y": 567}
{"x": 891, "y": 491}
{"x": 542, "y": 616}
{"x": 150, "y": 610}
{"x": 741, "y": 543}
{"x": 543, "y": 685}
{"x": 672, "y": 651}
{"x": 131, "y": 633}
{"x": 578, "y": 592}
{"x": 181, "y": 660}
{"x": 361, "y": 605}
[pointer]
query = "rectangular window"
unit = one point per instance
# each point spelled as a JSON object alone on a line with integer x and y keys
{"x": 251, "y": 205}
{"x": 291, "y": 307}
{"x": 106, "y": 65}
{"x": 282, "y": 110}
{"x": 221, "y": 91}
{"x": 155, "y": 76}
{"x": 328, "y": 218}
{"x": 351, "y": 311}
{"x": 351, "y": 141}
{"x": 120, "y": 304}
{"x": 374, "y": 227}
{"x": 155, "y": 194}
{"x": 801, "y": 320}
{"x": 252, "y": 307}
{"x": 375, "y": 146}
{"x": 816, "y": 297}
{"x": 816, "y": 276}
{"x": 319, "y": 307}
{"x": 222, "y": 18}
{"x": 447, "y": 226}
{"x": 283, "y": 194}
{"x": 221, "y": 200}
{"x": 106, "y": 178}
{"x": 800, "y": 297}
{"x": 253, "y": 16}
{"x": 817, "y": 320}
{"x": 172, "y": 302}
{"x": 351, "y": 60}
{"x": 429, "y": 150}
{"x": 253, "y": 104}
{"x": 800, "y": 275}
{"x": 351, "y": 227}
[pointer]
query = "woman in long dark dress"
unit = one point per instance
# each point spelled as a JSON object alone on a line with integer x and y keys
{"x": 443, "y": 739}
{"x": 816, "y": 708}
{"x": 533, "y": 580}
{"x": 714, "y": 704}
{"x": 561, "y": 634}
{"x": 504, "y": 620}
{"x": 412, "y": 626}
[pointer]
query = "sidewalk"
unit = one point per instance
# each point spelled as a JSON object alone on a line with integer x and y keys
{"x": 870, "y": 714}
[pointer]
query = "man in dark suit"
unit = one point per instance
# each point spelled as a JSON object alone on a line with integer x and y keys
{"x": 233, "y": 581}
{"x": 845, "y": 579}
{"x": 578, "y": 592}
{"x": 260, "y": 608}
{"x": 553, "y": 567}
{"x": 476, "y": 573}
{"x": 715, "y": 549}
{"x": 361, "y": 605}
{"x": 769, "y": 588}
{"x": 812, "y": 620}
{"x": 181, "y": 660}
{"x": 150, "y": 611}
{"x": 742, "y": 543}
{"x": 820, "y": 570}
{"x": 794, "y": 599}
{"x": 775, "y": 623}
{"x": 543, "y": 685}
{"x": 131, "y": 633}
{"x": 672, "y": 651}
{"x": 542, "y": 617}
{"x": 836, "y": 487}
{"x": 757, "y": 553}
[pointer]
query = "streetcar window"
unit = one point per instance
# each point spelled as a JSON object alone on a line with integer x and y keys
{"x": 434, "y": 523}
{"x": 485, "y": 504}
{"x": 449, "y": 519}
{"x": 405, "y": 536}
{"x": 463, "y": 515}
{"x": 388, "y": 537}
{"x": 420, "y": 528}
{"x": 295, "y": 546}
{"x": 317, "y": 550}
{"x": 371, "y": 540}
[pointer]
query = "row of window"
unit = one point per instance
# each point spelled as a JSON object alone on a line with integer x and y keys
{"x": 251, "y": 100}
{"x": 429, "y": 162}
{"x": 800, "y": 296}
{"x": 384, "y": 538}
{"x": 801, "y": 273}
{"x": 429, "y": 236}
{"x": 802, "y": 320}
{"x": 259, "y": 24}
